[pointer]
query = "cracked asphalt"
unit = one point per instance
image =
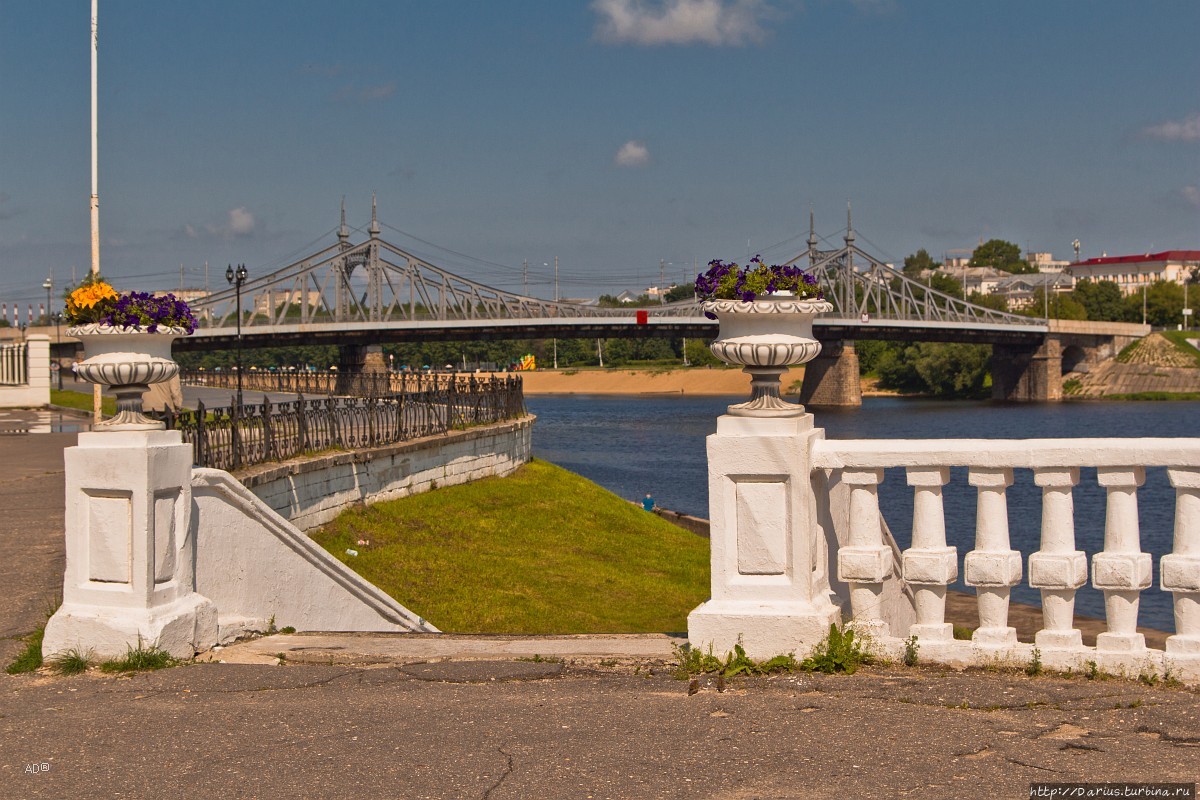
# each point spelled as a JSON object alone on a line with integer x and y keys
{"x": 590, "y": 727}
{"x": 508, "y": 729}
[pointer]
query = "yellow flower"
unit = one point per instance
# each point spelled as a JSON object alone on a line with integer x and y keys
{"x": 88, "y": 296}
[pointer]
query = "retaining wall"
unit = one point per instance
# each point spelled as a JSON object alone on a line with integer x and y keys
{"x": 311, "y": 492}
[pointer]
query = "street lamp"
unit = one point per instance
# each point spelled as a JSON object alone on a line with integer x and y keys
{"x": 48, "y": 285}
{"x": 237, "y": 278}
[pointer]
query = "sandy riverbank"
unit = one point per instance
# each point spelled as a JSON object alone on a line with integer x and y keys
{"x": 715, "y": 381}
{"x": 627, "y": 381}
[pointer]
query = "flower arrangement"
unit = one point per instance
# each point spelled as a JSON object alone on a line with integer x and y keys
{"x": 95, "y": 302}
{"x": 729, "y": 281}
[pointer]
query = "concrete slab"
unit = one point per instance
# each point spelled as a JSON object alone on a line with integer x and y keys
{"x": 358, "y": 649}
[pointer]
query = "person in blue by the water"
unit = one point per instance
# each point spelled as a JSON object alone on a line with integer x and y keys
{"x": 648, "y": 503}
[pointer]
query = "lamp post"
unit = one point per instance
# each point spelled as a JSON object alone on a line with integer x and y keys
{"x": 48, "y": 285}
{"x": 237, "y": 278}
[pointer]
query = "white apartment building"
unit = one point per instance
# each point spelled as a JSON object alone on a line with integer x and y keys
{"x": 1131, "y": 273}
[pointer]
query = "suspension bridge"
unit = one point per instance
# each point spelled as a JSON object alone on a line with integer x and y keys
{"x": 374, "y": 292}
{"x": 361, "y": 295}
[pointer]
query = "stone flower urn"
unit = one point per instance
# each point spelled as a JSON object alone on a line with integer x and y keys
{"x": 128, "y": 359}
{"x": 766, "y": 336}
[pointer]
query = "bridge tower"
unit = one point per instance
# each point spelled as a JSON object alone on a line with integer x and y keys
{"x": 362, "y": 369}
{"x": 342, "y": 271}
{"x": 831, "y": 379}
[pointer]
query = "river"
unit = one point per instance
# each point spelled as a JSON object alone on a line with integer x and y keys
{"x": 637, "y": 444}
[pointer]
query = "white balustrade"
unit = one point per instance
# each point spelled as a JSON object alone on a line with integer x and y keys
{"x": 866, "y": 562}
{"x": 929, "y": 566}
{"x": 993, "y": 567}
{"x": 1122, "y": 571}
{"x": 1058, "y": 569}
{"x": 1180, "y": 571}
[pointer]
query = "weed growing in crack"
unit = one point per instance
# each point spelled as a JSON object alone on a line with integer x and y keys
{"x": 71, "y": 662}
{"x": 910, "y": 651}
{"x": 1034, "y": 667}
{"x": 141, "y": 659}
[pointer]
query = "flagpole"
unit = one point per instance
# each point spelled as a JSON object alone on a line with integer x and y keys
{"x": 95, "y": 198}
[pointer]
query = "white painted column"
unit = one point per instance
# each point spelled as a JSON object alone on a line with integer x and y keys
{"x": 1122, "y": 570}
{"x": 770, "y": 590}
{"x": 1180, "y": 571}
{"x": 130, "y": 570}
{"x": 993, "y": 567}
{"x": 865, "y": 562}
{"x": 929, "y": 565}
{"x": 39, "y": 369}
{"x": 1058, "y": 569}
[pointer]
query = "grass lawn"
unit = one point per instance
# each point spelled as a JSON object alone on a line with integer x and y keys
{"x": 81, "y": 400}
{"x": 541, "y": 551}
{"x": 1180, "y": 340}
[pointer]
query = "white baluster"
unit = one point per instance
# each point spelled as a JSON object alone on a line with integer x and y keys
{"x": 1058, "y": 569}
{"x": 866, "y": 561}
{"x": 993, "y": 567}
{"x": 1122, "y": 570}
{"x": 929, "y": 565}
{"x": 1180, "y": 571}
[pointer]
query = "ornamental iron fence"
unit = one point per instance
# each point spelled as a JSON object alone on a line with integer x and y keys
{"x": 232, "y": 437}
{"x": 328, "y": 382}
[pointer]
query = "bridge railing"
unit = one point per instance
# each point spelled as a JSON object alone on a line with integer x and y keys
{"x": 1122, "y": 571}
{"x": 232, "y": 437}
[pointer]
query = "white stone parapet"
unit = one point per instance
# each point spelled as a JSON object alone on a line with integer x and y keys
{"x": 1058, "y": 569}
{"x": 25, "y": 373}
{"x": 129, "y": 577}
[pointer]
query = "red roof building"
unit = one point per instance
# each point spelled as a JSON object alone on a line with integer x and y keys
{"x": 1131, "y": 273}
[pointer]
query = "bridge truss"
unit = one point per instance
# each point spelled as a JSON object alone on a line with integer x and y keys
{"x": 378, "y": 282}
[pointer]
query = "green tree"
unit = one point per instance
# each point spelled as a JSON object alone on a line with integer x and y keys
{"x": 993, "y": 301}
{"x": 1002, "y": 255}
{"x": 953, "y": 369}
{"x": 918, "y": 262}
{"x": 699, "y": 355}
{"x": 1163, "y": 302}
{"x": 676, "y": 293}
{"x": 1061, "y": 306}
{"x": 945, "y": 284}
{"x": 1102, "y": 300}
{"x": 939, "y": 369}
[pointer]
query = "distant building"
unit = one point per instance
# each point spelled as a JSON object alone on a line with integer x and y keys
{"x": 974, "y": 279}
{"x": 274, "y": 300}
{"x": 1046, "y": 262}
{"x": 186, "y": 295}
{"x": 1131, "y": 273}
{"x": 1021, "y": 291}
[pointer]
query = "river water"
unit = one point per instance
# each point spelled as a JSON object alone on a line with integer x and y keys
{"x": 632, "y": 445}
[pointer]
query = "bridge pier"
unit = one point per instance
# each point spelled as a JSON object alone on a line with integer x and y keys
{"x": 362, "y": 370}
{"x": 1027, "y": 374}
{"x": 831, "y": 379}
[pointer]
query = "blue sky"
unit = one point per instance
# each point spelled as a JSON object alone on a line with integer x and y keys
{"x": 612, "y": 133}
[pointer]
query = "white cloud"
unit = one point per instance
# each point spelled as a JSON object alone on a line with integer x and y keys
{"x": 1192, "y": 195}
{"x": 632, "y": 154}
{"x": 241, "y": 222}
{"x": 1186, "y": 130}
{"x": 713, "y": 22}
{"x": 366, "y": 94}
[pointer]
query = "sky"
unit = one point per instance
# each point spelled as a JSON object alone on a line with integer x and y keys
{"x": 613, "y": 134}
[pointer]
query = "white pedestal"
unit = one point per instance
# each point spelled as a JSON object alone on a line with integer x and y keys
{"x": 130, "y": 572}
{"x": 770, "y": 586}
